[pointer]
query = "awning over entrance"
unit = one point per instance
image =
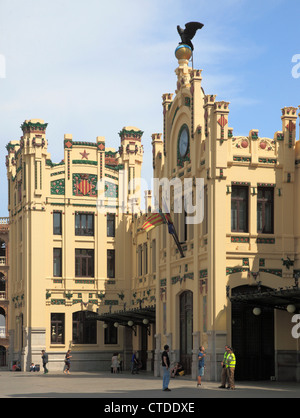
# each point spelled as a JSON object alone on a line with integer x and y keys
{"x": 139, "y": 316}
{"x": 271, "y": 298}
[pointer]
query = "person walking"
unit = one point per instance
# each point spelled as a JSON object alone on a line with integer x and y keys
{"x": 230, "y": 365}
{"x": 67, "y": 362}
{"x": 119, "y": 363}
{"x": 114, "y": 362}
{"x": 201, "y": 366}
{"x": 134, "y": 363}
{"x": 45, "y": 361}
{"x": 166, "y": 368}
{"x": 224, "y": 369}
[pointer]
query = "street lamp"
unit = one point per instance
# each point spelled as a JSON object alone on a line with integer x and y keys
{"x": 256, "y": 311}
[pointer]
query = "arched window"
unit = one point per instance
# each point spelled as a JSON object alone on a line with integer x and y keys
{"x": 2, "y": 283}
{"x": 84, "y": 328}
{"x": 2, "y": 323}
{"x": 2, "y": 253}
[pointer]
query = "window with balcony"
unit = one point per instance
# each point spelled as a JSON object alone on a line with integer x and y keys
{"x": 2, "y": 253}
{"x": 2, "y": 286}
{"x": 2, "y": 323}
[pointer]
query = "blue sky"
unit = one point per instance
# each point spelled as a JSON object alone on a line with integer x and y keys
{"x": 91, "y": 67}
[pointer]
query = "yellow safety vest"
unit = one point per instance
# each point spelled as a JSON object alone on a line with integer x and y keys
{"x": 225, "y": 357}
{"x": 230, "y": 360}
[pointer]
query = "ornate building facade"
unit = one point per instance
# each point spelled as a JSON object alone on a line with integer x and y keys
{"x": 69, "y": 237}
{"x": 4, "y": 301}
{"x": 87, "y": 276}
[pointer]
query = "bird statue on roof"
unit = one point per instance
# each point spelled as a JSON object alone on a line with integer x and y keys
{"x": 188, "y": 33}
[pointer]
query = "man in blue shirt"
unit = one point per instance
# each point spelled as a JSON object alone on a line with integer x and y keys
{"x": 166, "y": 368}
{"x": 201, "y": 356}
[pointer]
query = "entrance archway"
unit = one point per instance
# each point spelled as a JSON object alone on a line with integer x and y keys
{"x": 252, "y": 339}
{"x": 186, "y": 330}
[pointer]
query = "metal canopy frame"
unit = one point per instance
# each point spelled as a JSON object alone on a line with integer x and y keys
{"x": 273, "y": 298}
{"x": 136, "y": 315}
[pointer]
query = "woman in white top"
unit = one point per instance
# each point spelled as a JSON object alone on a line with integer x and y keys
{"x": 114, "y": 362}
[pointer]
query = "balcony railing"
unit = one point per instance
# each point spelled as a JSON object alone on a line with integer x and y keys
{"x": 2, "y": 295}
{"x": 4, "y": 221}
{"x": 2, "y": 332}
{"x": 2, "y": 261}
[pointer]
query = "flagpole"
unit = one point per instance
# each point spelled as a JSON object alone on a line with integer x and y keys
{"x": 175, "y": 236}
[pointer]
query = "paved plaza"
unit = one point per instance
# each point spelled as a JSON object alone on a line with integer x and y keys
{"x": 143, "y": 386}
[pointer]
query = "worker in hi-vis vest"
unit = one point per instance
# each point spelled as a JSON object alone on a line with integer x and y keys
{"x": 230, "y": 366}
{"x": 224, "y": 369}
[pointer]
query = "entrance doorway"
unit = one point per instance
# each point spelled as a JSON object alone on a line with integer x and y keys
{"x": 2, "y": 356}
{"x": 186, "y": 330}
{"x": 252, "y": 340}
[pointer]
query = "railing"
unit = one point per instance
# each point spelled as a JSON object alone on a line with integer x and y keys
{"x": 4, "y": 221}
{"x": 2, "y": 295}
{"x": 2, "y": 332}
{"x": 2, "y": 261}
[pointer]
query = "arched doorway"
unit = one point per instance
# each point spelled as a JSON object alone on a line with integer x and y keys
{"x": 252, "y": 339}
{"x": 2, "y": 323}
{"x": 186, "y": 330}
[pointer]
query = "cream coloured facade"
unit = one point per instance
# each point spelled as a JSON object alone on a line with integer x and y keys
{"x": 237, "y": 259}
{"x": 65, "y": 247}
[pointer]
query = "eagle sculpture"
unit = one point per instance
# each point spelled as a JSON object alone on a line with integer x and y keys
{"x": 189, "y": 32}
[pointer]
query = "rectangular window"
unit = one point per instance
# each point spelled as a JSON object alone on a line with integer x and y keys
{"x": 153, "y": 256}
{"x": 145, "y": 258}
{"x": 84, "y": 224}
{"x": 111, "y": 334}
{"x": 265, "y": 210}
{"x": 57, "y": 229}
{"x": 84, "y": 263}
{"x": 239, "y": 209}
{"x": 140, "y": 260}
{"x": 57, "y": 328}
{"x": 111, "y": 264}
{"x": 205, "y": 220}
{"x": 57, "y": 262}
{"x": 111, "y": 224}
{"x": 84, "y": 329}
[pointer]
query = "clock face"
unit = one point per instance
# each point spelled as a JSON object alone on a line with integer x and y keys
{"x": 183, "y": 141}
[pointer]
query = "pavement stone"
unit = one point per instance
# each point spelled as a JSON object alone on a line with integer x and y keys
{"x": 143, "y": 386}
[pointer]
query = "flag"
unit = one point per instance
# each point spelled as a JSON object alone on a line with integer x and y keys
{"x": 160, "y": 218}
{"x": 153, "y": 221}
{"x": 169, "y": 222}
